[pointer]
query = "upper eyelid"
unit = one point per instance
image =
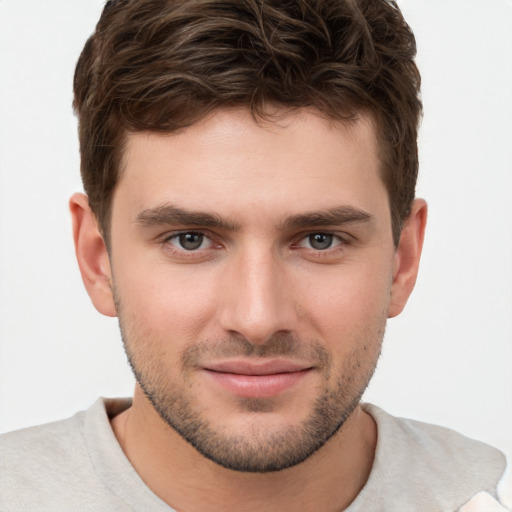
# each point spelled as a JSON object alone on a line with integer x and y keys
{"x": 299, "y": 236}
{"x": 173, "y": 234}
{"x": 167, "y": 243}
{"x": 295, "y": 239}
{"x": 340, "y": 238}
{"x": 344, "y": 236}
{"x": 169, "y": 237}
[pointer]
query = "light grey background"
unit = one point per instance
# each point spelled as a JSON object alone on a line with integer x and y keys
{"x": 447, "y": 359}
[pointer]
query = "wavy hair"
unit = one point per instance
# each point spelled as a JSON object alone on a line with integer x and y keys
{"x": 162, "y": 65}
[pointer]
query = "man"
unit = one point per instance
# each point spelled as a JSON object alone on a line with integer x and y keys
{"x": 250, "y": 218}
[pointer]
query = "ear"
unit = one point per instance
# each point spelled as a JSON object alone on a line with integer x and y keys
{"x": 92, "y": 255}
{"x": 407, "y": 257}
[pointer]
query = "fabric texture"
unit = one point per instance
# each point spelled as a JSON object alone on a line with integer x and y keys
{"x": 78, "y": 465}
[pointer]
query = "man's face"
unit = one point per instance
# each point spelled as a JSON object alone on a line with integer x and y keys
{"x": 252, "y": 267}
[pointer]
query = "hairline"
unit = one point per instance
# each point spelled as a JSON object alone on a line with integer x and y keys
{"x": 272, "y": 116}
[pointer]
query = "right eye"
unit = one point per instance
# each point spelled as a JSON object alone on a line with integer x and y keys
{"x": 189, "y": 241}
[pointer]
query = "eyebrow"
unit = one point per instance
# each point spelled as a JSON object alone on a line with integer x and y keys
{"x": 171, "y": 215}
{"x": 330, "y": 217}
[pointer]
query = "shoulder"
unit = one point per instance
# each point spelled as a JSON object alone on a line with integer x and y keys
{"x": 45, "y": 446}
{"x": 42, "y": 464}
{"x": 435, "y": 443}
{"x": 428, "y": 467}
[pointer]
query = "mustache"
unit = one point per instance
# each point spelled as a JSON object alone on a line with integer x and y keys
{"x": 279, "y": 344}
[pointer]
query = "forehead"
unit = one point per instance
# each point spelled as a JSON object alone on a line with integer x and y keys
{"x": 296, "y": 160}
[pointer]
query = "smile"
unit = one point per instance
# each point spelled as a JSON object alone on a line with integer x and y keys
{"x": 257, "y": 380}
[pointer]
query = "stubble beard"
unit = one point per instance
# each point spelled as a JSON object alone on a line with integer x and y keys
{"x": 257, "y": 449}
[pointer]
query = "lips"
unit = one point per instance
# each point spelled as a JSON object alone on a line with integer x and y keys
{"x": 260, "y": 379}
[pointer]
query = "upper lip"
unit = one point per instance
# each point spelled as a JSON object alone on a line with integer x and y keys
{"x": 264, "y": 367}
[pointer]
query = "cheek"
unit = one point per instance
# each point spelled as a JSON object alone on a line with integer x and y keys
{"x": 347, "y": 302}
{"x": 163, "y": 301}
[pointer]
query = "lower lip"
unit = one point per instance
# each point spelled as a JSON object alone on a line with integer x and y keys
{"x": 257, "y": 386}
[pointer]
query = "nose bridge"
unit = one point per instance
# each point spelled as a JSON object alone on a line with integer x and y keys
{"x": 256, "y": 304}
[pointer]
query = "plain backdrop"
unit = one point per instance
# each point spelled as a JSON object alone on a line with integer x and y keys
{"x": 447, "y": 359}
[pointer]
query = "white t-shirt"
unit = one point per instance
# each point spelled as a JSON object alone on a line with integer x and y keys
{"x": 78, "y": 465}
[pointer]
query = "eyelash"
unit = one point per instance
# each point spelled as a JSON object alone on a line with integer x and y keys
{"x": 199, "y": 253}
{"x": 184, "y": 253}
{"x": 333, "y": 238}
{"x": 329, "y": 254}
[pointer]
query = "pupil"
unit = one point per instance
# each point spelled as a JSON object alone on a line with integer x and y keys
{"x": 191, "y": 241}
{"x": 320, "y": 241}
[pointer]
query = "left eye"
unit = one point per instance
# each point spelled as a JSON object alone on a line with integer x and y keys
{"x": 190, "y": 241}
{"x": 320, "y": 241}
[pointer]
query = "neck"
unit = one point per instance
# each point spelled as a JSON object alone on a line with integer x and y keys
{"x": 186, "y": 480}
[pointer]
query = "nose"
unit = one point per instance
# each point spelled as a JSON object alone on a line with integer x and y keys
{"x": 257, "y": 298}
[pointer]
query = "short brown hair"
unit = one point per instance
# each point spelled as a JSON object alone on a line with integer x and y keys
{"x": 161, "y": 65}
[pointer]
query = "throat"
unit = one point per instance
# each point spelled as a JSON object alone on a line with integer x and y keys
{"x": 186, "y": 480}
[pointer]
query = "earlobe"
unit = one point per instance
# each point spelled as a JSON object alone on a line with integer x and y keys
{"x": 92, "y": 255}
{"x": 407, "y": 257}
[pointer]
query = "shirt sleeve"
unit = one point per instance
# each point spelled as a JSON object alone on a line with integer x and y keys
{"x": 484, "y": 502}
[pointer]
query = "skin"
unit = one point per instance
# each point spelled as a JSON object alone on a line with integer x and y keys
{"x": 269, "y": 284}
